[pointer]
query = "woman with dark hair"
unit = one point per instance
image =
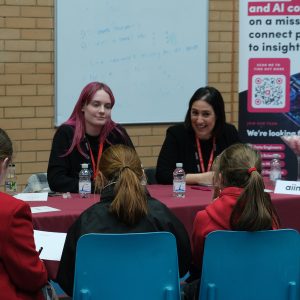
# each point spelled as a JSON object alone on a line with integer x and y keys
{"x": 83, "y": 138}
{"x": 196, "y": 142}
{"x": 22, "y": 272}
{"x": 125, "y": 207}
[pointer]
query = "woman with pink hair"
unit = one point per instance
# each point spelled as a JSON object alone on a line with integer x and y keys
{"x": 83, "y": 138}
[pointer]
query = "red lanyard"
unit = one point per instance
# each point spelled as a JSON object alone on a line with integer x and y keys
{"x": 202, "y": 169}
{"x": 95, "y": 167}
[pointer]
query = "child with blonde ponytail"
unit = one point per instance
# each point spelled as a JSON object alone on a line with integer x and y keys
{"x": 125, "y": 206}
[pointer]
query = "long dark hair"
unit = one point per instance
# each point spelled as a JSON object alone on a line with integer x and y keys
{"x": 214, "y": 98}
{"x": 240, "y": 166}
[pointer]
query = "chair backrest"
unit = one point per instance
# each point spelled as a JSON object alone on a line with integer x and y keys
{"x": 131, "y": 266}
{"x": 151, "y": 175}
{"x": 258, "y": 265}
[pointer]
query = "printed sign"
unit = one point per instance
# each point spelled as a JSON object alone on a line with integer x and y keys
{"x": 269, "y": 85}
{"x": 269, "y": 81}
{"x": 287, "y": 187}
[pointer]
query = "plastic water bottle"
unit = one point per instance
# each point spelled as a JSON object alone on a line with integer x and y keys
{"x": 179, "y": 181}
{"x": 85, "y": 185}
{"x": 144, "y": 178}
{"x": 275, "y": 168}
{"x": 11, "y": 180}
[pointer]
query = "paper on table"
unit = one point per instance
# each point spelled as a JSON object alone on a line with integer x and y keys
{"x": 32, "y": 196}
{"x": 41, "y": 209}
{"x": 52, "y": 243}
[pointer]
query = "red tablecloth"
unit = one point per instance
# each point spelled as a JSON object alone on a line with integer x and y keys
{"x": 288, "y": 208}
{"x": 70, "y": 209}
{"x": 60, "y": 221}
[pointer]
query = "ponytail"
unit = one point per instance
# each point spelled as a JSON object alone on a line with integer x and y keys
{"x": 130, "y": 202}
{"x": 240, "y": 166}
{"x": 254, "y": 210}
{"x": 121, "y": 164}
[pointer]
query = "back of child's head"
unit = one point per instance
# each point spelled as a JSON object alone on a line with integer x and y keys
{"x": 236, "y": 165}
{"x": 240, "y": 166}
{"x": 120, "y": 165}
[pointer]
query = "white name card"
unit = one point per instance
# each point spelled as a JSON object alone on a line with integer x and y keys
{"x": 287, "y": 187}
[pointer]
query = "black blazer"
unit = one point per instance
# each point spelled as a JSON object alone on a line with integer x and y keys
{"x": 180, "y": 146}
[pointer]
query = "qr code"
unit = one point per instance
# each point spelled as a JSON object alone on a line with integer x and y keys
{"x": 268, "y": 91}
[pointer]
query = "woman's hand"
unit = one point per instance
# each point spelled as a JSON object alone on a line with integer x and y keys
{"x": 200, "y": 178}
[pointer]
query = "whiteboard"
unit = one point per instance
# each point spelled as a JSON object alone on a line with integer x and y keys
{"x": 152, "y": 54}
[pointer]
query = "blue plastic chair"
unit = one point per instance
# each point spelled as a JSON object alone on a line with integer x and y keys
{"x": 262, "y": 265}
{"x": 131, "y": 266}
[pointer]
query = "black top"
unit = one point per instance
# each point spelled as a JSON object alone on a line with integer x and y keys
{"x": 180, "y": 147}
{"x": 98, "y": 219}
{"x": 63, "y": 171}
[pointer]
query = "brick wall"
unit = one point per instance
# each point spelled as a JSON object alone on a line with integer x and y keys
{"x": 27, "y": 78}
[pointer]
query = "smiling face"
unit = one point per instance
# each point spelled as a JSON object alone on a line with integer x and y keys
{"x": 203, "y": 119}
{"x": 97, "y": 112}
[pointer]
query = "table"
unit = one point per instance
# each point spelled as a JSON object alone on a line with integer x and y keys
{"x": 287, "y": 206}
{"x": 59, "y": 221}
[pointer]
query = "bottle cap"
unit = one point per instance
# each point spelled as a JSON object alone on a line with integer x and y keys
{"x": 179, "y": 165}
{"x": 84, "y": 166}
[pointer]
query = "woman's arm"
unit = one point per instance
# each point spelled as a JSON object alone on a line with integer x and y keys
{"x": 19, "y": 254}
{"x": 59, "y": 173}
{"x": 231, "y": 135}
{"x": 179, "y": 147}
{"x": 126, "y": 140}
{"x": 200, "y": 178}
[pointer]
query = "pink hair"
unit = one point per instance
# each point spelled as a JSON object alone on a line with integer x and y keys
{"x": 77, "y": 121}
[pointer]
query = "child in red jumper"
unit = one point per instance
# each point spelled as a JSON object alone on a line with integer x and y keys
{"x": 240, "y": 202}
